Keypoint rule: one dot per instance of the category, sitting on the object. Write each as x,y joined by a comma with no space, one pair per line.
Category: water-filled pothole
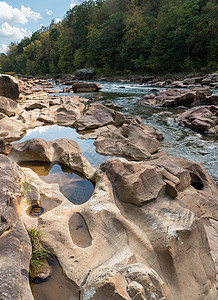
45,205
79,231
75,188
56,287
35,211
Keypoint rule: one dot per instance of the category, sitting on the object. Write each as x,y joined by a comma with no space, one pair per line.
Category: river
178,141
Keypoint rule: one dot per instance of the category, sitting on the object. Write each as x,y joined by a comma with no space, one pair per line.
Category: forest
122,37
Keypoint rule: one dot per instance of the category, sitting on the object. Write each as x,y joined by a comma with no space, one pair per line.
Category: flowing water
178,141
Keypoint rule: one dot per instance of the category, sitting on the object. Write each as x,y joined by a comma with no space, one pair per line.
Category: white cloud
3,48
27,11
8,31
15,15
57,20
49,12
74,3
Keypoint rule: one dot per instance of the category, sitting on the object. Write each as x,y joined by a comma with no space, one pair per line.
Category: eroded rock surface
149,220
203,119
149,231
15,247
117,135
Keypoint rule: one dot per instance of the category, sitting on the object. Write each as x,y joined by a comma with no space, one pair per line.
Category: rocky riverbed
148,230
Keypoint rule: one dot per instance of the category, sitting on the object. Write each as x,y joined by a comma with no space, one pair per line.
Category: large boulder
129,141
9,87
95,116
135,184
83,74
203,119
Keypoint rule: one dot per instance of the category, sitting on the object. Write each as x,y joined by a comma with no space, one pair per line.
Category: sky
20,18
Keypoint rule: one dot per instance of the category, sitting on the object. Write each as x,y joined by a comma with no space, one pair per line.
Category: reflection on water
72,186
79,231
56,287
53,132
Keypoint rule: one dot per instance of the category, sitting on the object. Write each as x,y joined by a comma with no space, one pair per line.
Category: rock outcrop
149,220
203,119
173,97
15,247
117,135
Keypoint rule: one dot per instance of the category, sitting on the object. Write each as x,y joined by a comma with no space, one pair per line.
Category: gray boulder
84,74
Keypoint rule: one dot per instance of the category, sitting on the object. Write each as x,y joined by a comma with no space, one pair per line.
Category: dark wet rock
86,87
8,106
146,79
173,97
9,87
84,74
203,119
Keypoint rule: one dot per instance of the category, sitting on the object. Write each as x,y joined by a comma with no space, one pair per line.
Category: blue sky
20,18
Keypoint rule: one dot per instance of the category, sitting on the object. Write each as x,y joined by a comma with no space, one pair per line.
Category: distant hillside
122,37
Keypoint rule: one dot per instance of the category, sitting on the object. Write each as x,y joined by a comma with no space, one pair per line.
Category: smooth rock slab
96,115
130,141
